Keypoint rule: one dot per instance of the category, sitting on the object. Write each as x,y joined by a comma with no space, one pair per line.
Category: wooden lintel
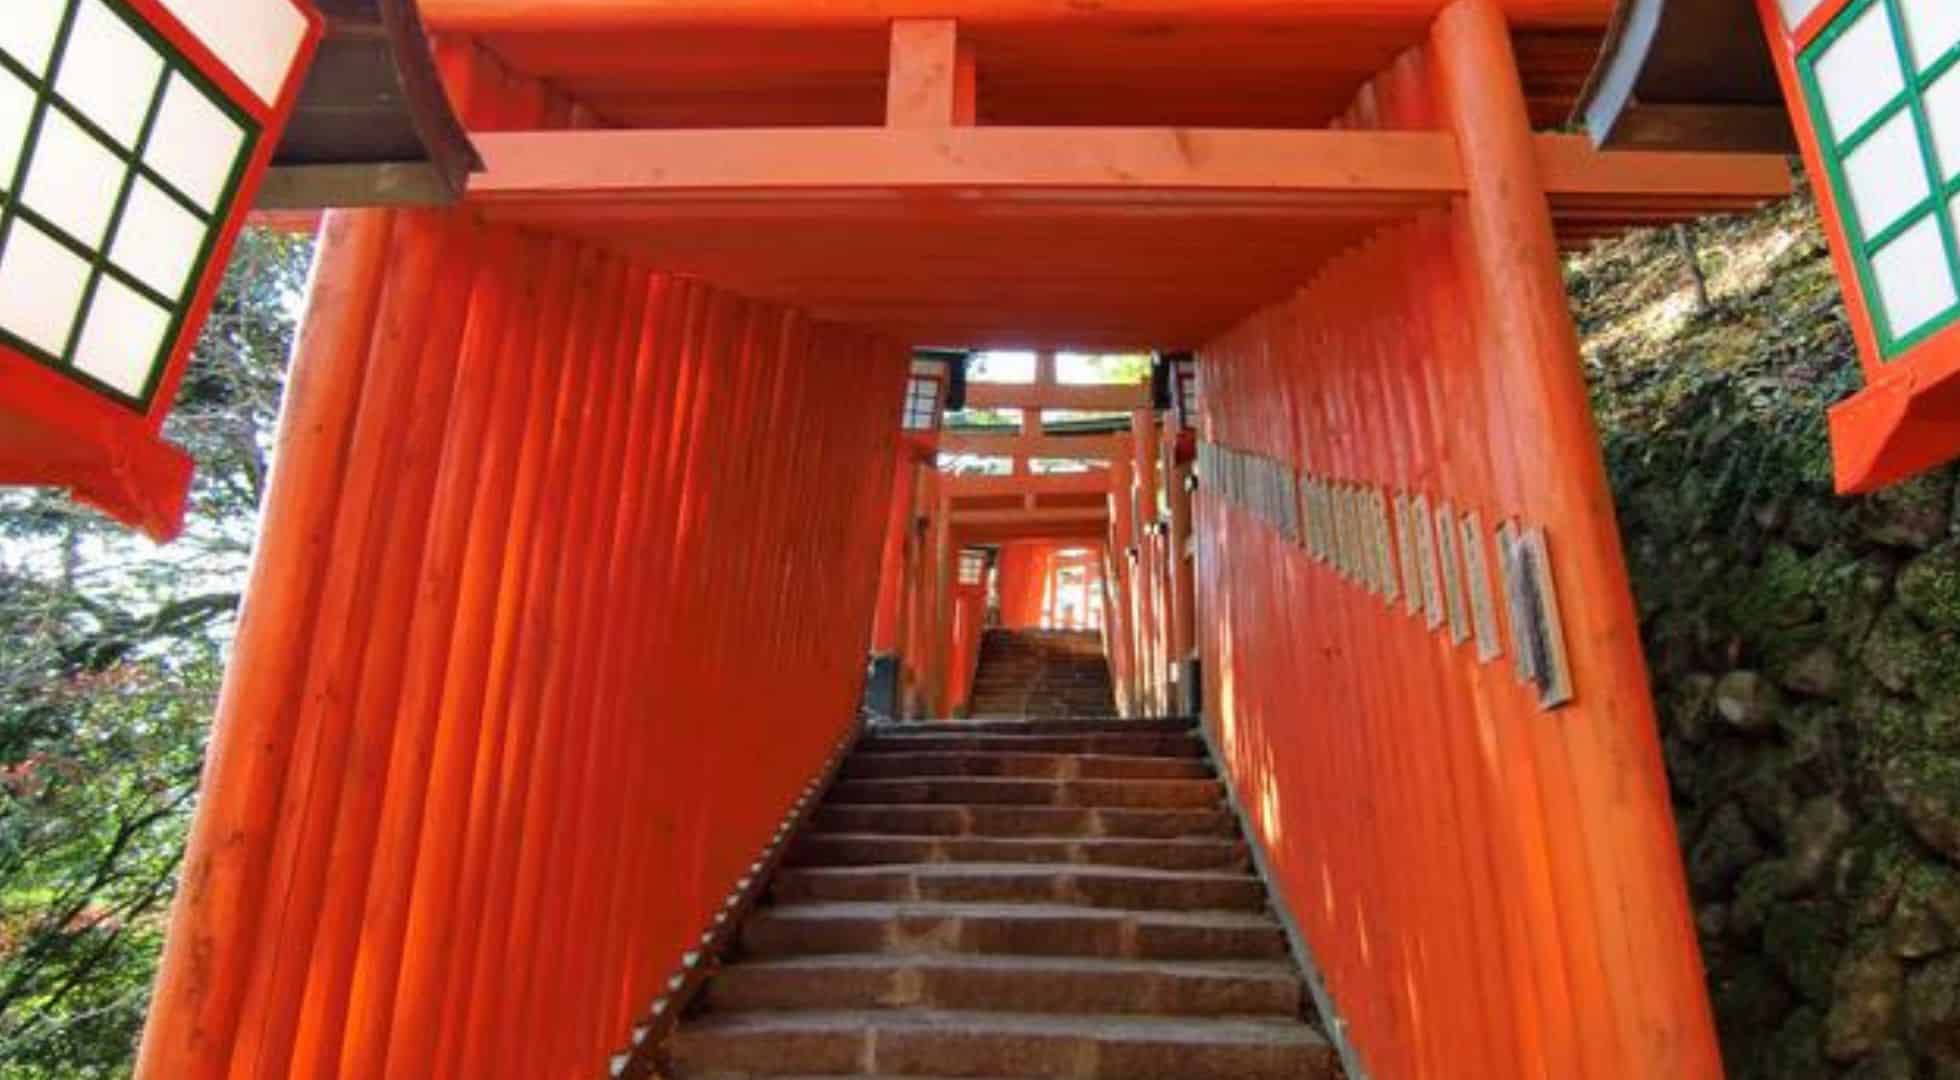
1335,172
1076,447
1572,169
1070,516
1089,483
1035,396
514,16
625,167
1079,532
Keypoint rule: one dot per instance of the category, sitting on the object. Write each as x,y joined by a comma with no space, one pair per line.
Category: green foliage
1724,408
114,653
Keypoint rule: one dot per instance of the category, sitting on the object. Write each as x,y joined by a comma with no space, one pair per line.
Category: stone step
873,849
1085,703
969,1044
1059,712
1022,676
805,929
907,766
988,791
1126,888
1080,700
987,707
1052,822
1038,676
1099,725
951,740
900,765
1034,667
999,670
1009,983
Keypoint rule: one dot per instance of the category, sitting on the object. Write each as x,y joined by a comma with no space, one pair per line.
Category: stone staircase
1032,899
1042,674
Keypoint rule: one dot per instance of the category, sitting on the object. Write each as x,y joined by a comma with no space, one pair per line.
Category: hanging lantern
973,567
931,389
1874,89
925,397
133,134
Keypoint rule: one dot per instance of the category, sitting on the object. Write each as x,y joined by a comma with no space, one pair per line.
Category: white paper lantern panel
196,146
1933,28
16,115
42,284
27,33
257,39
1858,73
123,340
1887,175
1914,278
73,179
109,72
158,240
1942,104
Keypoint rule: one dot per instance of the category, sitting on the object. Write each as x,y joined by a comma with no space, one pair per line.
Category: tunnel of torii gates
591,490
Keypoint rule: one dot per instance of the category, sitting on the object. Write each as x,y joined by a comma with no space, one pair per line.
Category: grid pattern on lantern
1885,94
922,404
1187,395
973,566
119,163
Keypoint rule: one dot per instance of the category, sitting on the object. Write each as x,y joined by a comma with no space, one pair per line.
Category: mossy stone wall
1805,652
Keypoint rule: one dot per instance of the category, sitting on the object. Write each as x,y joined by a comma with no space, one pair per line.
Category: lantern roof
1685,75
373,125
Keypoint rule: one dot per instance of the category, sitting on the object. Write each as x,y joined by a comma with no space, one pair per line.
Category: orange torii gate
1082,488
586,488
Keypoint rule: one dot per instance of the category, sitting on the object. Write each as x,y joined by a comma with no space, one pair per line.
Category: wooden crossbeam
1068,516
1092,447
1335,174
1039,396
1335,169
1575,172
1081,532
1090,483
510,16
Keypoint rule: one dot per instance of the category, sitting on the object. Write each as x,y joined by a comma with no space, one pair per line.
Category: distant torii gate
1108,504
575,540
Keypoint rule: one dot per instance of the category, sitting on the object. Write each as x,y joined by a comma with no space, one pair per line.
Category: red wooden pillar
1607,749
227,863
885,633
1143,464
459,661
943,568
1183,589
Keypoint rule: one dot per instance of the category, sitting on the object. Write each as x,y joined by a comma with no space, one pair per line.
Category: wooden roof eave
1685,75
373,126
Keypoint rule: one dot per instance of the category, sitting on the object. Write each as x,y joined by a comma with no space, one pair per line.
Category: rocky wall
1805,651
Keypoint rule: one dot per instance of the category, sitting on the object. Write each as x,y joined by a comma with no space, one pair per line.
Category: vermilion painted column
1637,900
1022,584
1143,464
518,598
943,567
891,586
1183,589
245,773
